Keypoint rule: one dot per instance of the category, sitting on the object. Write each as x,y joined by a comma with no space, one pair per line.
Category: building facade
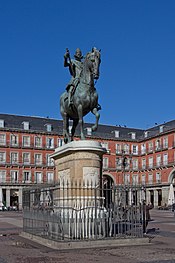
133,156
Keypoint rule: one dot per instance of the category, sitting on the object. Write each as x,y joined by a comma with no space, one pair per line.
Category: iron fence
83,211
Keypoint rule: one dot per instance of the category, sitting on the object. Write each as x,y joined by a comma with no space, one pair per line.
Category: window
26,158
161,128
49,143
38,177
50,161
27,176
104,145
165,159
158,160
117,134
14,158
126,163
158,145
165,142
105,162
1,123
2,176
14,176
38,159
135,164
13,140
126,178
146,134
143,163
126,148
118,163
49,127
135,179
118,148
135,149
60,142
25,125
50,177
38,142
2,139
150,146
2,157
158,178
89,131
26,141
150,178
133,135
150,162
143,179
143,148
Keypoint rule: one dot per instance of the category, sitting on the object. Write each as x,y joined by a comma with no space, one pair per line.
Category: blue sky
137,38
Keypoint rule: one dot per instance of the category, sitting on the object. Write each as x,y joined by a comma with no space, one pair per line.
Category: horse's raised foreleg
97,115
80,116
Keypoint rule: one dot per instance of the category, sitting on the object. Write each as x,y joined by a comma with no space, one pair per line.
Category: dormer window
146,134
89,131
161,128
49,127
1,123
117,134
133,135
25,125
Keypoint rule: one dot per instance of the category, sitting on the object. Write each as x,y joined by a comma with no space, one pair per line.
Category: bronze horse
85,97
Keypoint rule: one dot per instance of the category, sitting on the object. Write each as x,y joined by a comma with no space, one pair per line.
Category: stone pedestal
79,160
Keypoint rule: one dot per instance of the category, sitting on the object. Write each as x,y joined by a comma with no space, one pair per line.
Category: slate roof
38,124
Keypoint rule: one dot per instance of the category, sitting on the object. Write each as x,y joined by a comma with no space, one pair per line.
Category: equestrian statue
80,96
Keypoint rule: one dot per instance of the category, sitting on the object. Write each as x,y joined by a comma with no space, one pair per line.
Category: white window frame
14,157
38,141
14,176
165,159
143,148
150,162
26,125
158,160
50,142
105,162
135,164
26,160
165,142
118,148
38,158
158,177
135,149
150,178
13,139
26,141
50,177
1,123
143,163
2,176
2,157
2,139
29,177
38,177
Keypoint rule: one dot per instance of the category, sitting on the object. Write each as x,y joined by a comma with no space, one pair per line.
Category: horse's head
95,58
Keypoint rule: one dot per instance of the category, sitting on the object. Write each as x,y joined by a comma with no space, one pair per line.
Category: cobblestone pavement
15,249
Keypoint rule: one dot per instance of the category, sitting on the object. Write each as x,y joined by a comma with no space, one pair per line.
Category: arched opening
108,183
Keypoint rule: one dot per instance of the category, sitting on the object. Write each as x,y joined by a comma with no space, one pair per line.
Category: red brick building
134,156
